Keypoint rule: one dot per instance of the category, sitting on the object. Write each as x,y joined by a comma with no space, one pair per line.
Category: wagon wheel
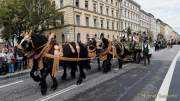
138,58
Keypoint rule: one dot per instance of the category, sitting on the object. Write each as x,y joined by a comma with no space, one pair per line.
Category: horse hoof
73,77
40,84
84,77
99,68
53,87
79,82
64,78
43,92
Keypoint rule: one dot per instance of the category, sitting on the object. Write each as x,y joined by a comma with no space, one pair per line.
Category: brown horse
105,51
33,46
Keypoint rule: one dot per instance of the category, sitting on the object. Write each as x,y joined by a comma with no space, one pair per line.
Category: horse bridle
29,39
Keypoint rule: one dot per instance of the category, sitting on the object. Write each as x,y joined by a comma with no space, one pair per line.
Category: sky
167,10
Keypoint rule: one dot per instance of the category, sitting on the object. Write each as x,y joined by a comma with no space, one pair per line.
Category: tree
150,37
22,15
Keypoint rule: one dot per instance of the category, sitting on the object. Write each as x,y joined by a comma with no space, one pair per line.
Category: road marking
58,93
10,84
164,89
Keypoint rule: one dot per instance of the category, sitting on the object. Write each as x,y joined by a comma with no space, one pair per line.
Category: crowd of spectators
10,62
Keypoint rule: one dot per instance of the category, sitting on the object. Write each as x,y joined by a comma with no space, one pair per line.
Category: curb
9,75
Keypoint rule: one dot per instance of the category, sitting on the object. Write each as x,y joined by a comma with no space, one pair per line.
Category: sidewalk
8,75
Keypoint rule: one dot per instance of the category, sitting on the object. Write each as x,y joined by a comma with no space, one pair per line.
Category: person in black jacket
145,50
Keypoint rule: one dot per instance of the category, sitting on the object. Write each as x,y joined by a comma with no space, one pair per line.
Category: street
158,81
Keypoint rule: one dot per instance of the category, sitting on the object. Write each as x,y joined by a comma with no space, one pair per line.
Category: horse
33,45
104,49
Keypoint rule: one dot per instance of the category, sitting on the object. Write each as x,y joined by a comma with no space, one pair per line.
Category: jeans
19,65
11,68
1,69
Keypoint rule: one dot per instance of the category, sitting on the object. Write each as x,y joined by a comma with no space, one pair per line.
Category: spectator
1,69
3,62
10,61
19,60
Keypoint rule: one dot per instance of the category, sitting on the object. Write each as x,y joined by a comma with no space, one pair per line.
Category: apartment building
153,29
130,15
145,23
158,26
86,18
168,32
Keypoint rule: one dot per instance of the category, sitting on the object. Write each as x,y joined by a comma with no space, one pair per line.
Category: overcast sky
166,10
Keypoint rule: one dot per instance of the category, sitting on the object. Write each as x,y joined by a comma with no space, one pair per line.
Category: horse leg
55,83
34,75
99,65
73,70
109,62
120,62
104,66
64,77
43,83
81,75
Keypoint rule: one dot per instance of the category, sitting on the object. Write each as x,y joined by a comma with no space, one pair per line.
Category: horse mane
38,39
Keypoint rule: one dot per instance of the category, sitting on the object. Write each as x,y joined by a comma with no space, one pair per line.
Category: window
117,13
78,37
125,3
112,25
111,1
78,19
117,26
116,4
112,13
107,10
62,19
63,38
107,24
77,3
101,9
102,23
61,3
86,4
95,7
95,22
87,37
87,21
106,0
125,12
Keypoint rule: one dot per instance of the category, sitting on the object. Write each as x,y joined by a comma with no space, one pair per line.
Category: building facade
130,15
145,23
158,27
88,18
85,18
168,32
153,29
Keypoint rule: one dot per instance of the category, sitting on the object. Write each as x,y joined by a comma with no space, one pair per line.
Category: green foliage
34,15
150,38
160,37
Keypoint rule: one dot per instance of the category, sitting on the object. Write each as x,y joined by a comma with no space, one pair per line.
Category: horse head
27,43
94,44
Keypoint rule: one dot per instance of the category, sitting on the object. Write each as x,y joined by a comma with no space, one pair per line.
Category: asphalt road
135,82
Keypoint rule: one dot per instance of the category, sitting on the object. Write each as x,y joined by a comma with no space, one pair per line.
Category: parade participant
4,61
105,45
145,50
